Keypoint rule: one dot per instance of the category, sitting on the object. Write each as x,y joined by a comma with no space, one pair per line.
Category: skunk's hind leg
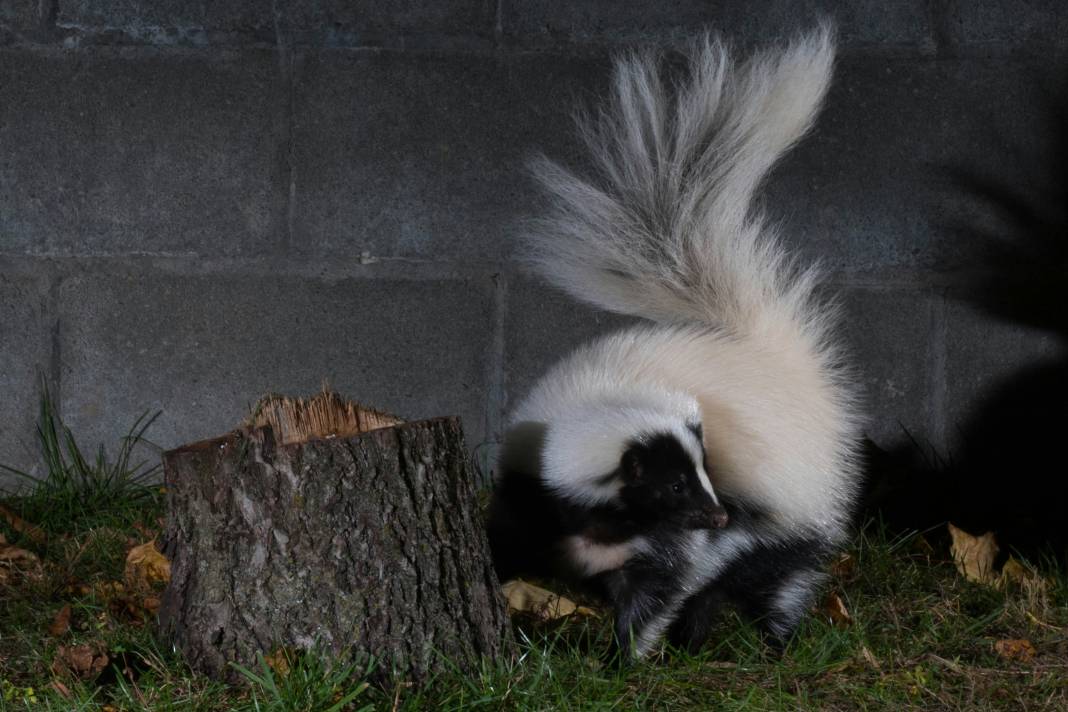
644,600
771,585
776,585
693,626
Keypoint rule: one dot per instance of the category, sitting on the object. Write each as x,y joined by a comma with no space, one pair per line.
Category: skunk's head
637,447
665,481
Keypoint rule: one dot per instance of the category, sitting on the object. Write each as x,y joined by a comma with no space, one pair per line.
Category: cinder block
544,23
422,156
1002,362
203,349
912,158
334,23
169,22
110,152
889,341
542,325
393,23
1008,21
18,16
25,356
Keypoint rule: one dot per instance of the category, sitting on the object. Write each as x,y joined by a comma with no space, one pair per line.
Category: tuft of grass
79,492
306,681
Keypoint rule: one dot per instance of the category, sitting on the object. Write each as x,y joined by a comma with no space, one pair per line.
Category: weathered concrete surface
543,324
203,349
25,358
126,152
331,23
542,22
894,344
422,156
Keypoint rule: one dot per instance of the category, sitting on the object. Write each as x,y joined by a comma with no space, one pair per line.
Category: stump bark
371,544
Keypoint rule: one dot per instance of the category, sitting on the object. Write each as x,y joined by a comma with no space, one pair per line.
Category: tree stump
366,542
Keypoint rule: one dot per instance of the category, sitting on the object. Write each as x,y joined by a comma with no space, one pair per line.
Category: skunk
734,386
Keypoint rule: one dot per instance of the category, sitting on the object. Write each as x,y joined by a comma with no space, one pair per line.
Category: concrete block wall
201,202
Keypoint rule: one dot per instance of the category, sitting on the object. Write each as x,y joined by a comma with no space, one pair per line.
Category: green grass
921,636
76,492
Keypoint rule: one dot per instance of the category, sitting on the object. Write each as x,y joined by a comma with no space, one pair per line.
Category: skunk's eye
676,488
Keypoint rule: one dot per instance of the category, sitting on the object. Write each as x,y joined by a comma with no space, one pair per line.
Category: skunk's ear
631,466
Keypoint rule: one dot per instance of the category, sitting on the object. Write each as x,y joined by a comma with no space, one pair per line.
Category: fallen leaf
1033,584
16,556
546,605
869,657
62,689
974,555
834,609
83,662
844,566
921,546
145,566
61,623
279,661
1020,649
22,526
15,561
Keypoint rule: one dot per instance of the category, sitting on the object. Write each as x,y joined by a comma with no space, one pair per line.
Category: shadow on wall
1007,472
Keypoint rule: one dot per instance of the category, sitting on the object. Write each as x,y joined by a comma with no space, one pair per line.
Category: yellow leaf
61,623
527,598
974,555
145,565
835,611
1021,650
279,661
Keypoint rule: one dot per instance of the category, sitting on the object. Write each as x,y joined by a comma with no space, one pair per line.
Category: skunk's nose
719,517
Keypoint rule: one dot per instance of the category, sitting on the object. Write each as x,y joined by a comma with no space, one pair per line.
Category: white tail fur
665,227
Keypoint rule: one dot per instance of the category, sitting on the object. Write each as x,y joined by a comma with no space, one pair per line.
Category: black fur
528,522
661,485
752,583
661,499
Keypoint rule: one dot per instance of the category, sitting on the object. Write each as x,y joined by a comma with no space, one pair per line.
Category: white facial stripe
695,449
706,484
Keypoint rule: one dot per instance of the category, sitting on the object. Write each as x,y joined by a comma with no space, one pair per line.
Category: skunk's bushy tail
665,227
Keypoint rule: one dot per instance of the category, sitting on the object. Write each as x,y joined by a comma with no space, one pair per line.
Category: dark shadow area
1006,472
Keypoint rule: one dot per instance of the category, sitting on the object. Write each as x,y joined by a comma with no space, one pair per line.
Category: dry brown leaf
83,662
921,546
62,689
546,605
869,657
1020,650
279,661
151,604
834,609
21,525
17,557
145,566
15,562
1033,584
974,555
61,623
844,566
